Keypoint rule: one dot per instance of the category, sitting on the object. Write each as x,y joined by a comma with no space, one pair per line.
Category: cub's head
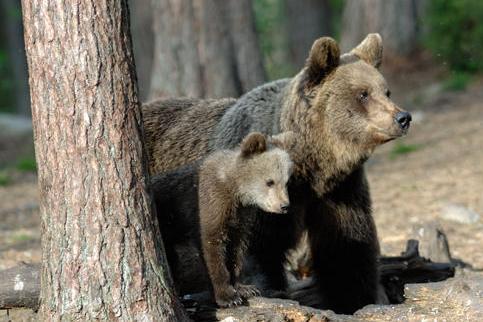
347,96
262,173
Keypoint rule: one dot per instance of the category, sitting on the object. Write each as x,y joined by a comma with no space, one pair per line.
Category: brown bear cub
229,187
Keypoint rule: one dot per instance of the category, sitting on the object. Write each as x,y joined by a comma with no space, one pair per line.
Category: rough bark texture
12,24
207,48
101,251
143,43
307,20
397,21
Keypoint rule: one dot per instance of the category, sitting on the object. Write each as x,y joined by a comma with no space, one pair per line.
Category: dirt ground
407,187
446,167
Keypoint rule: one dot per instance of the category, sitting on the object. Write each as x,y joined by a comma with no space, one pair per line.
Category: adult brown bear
340,108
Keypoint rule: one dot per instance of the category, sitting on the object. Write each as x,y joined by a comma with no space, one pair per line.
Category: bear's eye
363,96
270,182
388,93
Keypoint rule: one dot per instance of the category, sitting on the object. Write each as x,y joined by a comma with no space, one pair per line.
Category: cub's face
263,181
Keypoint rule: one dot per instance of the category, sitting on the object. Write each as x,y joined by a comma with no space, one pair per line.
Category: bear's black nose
285,208
403,119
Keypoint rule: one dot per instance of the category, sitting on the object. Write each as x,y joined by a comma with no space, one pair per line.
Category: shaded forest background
442,37
433,50
449,32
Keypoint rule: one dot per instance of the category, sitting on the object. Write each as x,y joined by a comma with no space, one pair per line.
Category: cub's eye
388,93
270,182
363,96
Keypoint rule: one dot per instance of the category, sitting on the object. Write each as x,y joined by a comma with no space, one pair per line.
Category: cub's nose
285,208
403,119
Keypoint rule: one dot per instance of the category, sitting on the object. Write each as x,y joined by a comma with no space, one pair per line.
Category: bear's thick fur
339,106
213,206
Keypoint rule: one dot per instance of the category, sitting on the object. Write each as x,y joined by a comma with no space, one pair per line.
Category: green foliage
4,178
21,237
336,9
401,148
456,33
269,20
27,164
457,81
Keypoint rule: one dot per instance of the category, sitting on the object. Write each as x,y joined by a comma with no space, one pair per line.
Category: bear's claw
228,298
247,291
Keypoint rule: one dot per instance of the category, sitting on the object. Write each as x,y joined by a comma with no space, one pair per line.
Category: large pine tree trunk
396,20
206,48
307,20
102,257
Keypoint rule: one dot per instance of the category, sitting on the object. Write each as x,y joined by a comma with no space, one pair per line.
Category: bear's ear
370,50
253,143
285,140
323,58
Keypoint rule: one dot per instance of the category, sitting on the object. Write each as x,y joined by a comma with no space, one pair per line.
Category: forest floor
412,179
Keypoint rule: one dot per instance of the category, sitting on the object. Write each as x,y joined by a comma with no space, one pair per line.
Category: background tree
11,23
398,22
102,257
306,21
143,43
208,47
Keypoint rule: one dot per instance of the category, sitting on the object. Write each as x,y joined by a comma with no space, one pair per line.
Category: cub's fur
229,187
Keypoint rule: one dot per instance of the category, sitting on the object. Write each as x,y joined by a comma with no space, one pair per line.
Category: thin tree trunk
208,48
246,45
102,257
143,43
396,20
307,20
10,13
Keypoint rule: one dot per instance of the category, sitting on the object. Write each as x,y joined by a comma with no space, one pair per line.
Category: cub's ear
370,50
253,143
285,140
323,58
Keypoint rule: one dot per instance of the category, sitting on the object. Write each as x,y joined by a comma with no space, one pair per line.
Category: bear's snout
284,208
403,119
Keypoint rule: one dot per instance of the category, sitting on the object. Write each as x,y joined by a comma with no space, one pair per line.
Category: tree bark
10,14
208,48
398,22
307,20
102,256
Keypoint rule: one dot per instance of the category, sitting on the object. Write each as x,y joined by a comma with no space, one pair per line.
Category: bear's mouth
382,137
389,139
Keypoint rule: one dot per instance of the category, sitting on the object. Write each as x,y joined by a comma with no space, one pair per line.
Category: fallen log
20,286
410,268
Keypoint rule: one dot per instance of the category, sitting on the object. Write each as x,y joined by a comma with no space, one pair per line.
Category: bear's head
262,173
344,99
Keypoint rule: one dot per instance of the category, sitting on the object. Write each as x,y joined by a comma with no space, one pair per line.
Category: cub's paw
228,297
247,291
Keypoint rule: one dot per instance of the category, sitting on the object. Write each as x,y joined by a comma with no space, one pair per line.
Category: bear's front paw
228,297
247,291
